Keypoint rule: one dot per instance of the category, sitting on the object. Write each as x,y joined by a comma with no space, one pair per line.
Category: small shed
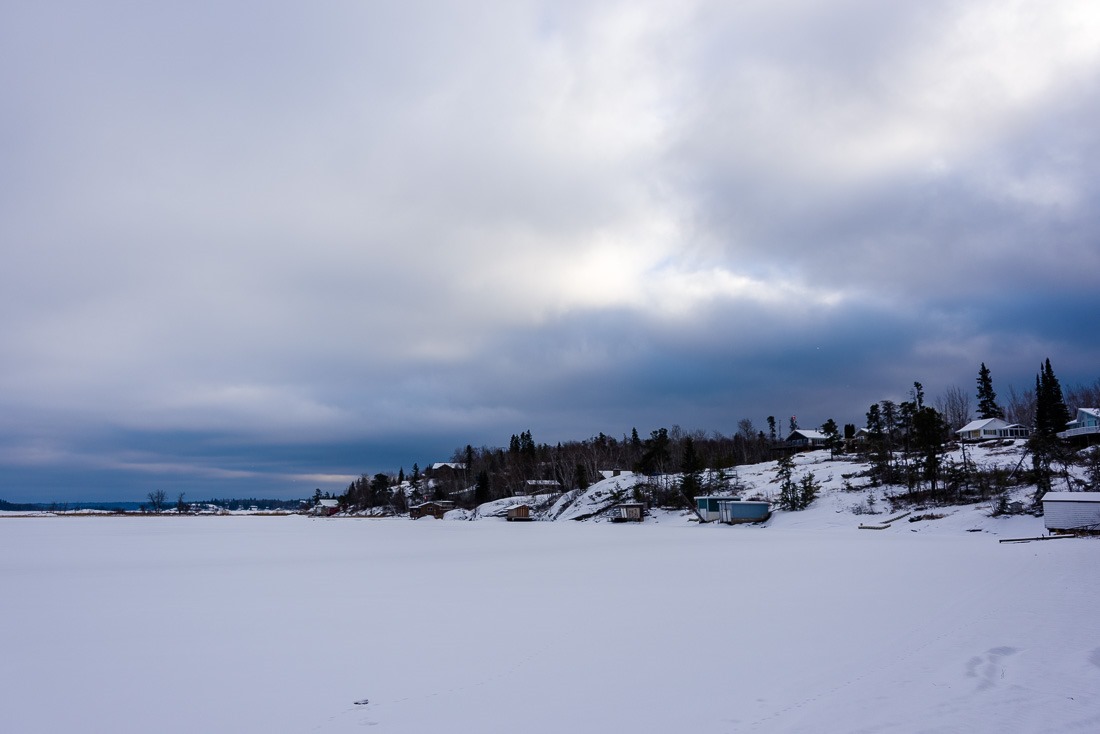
520,513
733,512
436,509
707,505
627,512
1071,510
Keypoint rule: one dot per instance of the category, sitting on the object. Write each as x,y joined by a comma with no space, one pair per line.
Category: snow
803,624
807,624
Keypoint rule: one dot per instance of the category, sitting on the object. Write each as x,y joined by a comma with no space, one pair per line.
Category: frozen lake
281,624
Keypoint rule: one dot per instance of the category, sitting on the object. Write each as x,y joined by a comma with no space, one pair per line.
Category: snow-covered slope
846,498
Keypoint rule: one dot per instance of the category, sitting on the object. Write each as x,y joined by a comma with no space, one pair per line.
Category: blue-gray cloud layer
264,246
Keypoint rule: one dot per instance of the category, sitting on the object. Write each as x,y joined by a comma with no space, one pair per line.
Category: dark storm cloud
262,244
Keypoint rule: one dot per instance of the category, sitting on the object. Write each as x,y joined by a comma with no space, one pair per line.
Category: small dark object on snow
362,702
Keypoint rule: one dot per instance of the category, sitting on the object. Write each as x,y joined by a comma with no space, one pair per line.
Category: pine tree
1051,416
690,483
987,399
1051,413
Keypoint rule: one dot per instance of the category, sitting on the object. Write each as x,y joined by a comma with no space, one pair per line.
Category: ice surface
287,624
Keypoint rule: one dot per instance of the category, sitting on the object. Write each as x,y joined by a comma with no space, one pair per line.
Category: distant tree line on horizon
903,441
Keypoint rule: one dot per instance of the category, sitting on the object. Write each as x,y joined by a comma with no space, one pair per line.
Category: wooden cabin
436,509
519,513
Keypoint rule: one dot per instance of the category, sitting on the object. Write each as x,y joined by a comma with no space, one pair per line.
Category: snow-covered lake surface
281,624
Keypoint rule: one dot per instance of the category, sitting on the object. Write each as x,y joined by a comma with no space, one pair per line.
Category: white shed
1071,510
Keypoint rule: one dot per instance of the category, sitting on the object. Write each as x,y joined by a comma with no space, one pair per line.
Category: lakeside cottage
1087,423
324,507
806,439
985,429
436,509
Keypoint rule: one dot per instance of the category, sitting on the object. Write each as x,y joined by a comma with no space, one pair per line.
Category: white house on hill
991,428
1086,422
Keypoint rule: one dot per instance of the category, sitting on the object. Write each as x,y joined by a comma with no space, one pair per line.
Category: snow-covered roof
982,423
448,465
815,435
1071,497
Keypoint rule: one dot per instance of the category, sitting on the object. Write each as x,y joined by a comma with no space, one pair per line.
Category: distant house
627,512
436,509
612,473
446,470
1086,423
862,435
1071,510
985,429
802,438
325,507
539,486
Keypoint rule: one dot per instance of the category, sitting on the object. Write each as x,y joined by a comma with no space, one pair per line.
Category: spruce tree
690,465
987,399
1051,416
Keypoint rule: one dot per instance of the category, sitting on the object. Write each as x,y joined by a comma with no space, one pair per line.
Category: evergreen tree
832,436
580,476
929,433
1051,416
877,443
481,489
690,464
987,399
1051,413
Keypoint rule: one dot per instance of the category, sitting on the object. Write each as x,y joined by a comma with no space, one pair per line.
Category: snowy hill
846,498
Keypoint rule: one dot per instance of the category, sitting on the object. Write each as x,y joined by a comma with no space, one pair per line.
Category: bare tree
157,498
954,405
1021,407
1083,396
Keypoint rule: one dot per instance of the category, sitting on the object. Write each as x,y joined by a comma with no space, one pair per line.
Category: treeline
474,475
904,441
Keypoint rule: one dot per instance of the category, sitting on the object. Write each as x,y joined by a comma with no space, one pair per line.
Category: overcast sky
254,248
